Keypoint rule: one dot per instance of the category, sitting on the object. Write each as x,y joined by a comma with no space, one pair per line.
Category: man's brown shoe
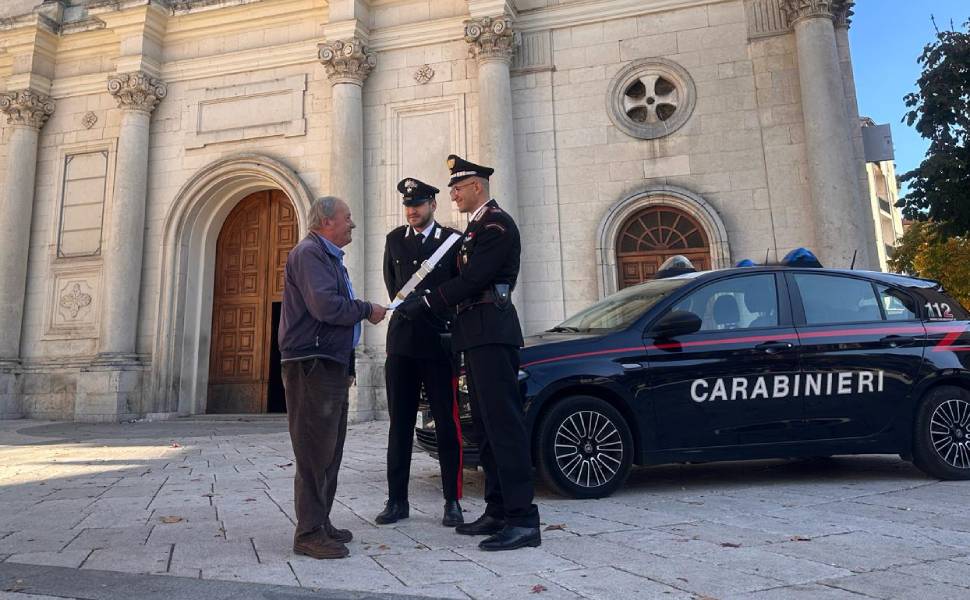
321,548
344,536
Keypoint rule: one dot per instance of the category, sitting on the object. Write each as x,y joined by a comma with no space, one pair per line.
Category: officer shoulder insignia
495,226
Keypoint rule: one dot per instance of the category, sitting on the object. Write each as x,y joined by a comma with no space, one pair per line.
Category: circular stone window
651,98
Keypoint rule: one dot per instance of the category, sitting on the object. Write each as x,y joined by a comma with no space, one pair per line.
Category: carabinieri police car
747,363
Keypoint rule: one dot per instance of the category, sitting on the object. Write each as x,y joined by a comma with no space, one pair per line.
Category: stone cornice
347,61
137,91
27,108
491,38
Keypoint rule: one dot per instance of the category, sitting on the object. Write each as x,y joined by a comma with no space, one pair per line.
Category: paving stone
67,558
152,558
607,583
719,533
433,566
898,586
356,572
954,571
519,586
278,574
798,592
186,531
520,562
758,561
37,540
107,537
211,556
689,574
582,524
861,551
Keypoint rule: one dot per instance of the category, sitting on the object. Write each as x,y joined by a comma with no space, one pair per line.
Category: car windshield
622,308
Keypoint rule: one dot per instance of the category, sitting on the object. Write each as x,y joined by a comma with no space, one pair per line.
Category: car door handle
773,347
894,341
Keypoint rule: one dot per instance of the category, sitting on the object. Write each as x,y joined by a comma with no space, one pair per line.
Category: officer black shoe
452,516
512,538
394,511
483,525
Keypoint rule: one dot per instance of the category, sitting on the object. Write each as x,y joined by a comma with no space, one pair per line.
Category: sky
886,38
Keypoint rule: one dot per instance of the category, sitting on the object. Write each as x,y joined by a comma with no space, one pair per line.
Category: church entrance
653,235
244,367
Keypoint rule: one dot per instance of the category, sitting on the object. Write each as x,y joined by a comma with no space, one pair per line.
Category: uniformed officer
416,357
487,330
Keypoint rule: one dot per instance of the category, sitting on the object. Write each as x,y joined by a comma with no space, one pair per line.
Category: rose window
652,98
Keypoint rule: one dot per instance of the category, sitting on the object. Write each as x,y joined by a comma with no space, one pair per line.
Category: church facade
158,159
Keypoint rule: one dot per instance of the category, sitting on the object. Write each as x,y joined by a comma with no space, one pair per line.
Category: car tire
584,448
941,441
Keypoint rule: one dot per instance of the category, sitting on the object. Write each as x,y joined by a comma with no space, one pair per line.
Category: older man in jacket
320,326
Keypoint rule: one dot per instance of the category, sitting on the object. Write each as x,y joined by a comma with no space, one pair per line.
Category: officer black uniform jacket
402,257
489,255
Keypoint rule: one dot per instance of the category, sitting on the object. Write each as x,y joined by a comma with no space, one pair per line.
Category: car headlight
523,375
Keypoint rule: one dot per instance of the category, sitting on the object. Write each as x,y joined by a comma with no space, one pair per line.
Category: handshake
410,308
414,305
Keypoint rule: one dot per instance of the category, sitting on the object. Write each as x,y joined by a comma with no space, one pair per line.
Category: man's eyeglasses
455,188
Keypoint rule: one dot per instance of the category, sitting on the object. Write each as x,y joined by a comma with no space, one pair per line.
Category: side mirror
675,323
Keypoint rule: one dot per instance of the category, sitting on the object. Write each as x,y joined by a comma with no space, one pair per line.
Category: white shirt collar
428,231
478,213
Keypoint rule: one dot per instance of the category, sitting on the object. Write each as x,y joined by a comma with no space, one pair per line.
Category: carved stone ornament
75,300
347,61
137,91
26,107
796,10
491,38
89,120
424,74
843,13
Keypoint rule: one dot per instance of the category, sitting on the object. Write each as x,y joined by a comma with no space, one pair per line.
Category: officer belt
486,297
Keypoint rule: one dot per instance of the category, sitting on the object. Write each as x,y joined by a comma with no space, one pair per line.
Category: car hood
550,344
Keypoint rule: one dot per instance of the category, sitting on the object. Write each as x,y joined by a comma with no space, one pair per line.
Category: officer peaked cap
415,191
462,169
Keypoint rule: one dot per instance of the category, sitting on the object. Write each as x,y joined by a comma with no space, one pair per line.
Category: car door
861,348
728,384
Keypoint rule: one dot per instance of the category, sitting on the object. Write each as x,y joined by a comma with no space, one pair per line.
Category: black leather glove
414,305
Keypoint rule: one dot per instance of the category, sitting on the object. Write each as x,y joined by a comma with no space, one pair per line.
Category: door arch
251,253
654,234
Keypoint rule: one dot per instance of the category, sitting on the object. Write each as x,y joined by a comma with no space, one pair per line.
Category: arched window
653,235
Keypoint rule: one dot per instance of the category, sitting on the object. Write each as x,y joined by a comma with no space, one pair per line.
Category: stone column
108,390
26,112
137,94
841,217
348,64
493,43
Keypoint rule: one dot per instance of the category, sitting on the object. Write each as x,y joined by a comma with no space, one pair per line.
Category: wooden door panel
250,262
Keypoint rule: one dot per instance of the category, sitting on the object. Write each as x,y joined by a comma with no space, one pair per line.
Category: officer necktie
420,238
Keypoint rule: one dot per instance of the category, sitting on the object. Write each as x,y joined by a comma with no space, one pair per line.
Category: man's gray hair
322,208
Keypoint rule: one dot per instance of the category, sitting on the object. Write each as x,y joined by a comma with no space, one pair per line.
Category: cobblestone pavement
212,500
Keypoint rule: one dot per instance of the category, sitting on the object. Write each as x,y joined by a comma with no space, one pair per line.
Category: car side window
746,302
897,305
829,299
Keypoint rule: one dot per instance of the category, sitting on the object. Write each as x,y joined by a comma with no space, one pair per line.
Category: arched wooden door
250,260
653,235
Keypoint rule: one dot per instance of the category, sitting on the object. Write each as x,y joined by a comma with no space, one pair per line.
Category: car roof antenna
854,252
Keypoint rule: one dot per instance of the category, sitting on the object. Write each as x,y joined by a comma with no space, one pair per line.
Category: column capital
843,13
837,10
27,108
491,38
137,91
347,61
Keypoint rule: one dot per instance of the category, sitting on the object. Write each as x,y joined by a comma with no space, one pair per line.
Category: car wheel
585,448
942,436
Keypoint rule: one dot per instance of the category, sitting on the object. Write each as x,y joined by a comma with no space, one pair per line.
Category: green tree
939,188
924,251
